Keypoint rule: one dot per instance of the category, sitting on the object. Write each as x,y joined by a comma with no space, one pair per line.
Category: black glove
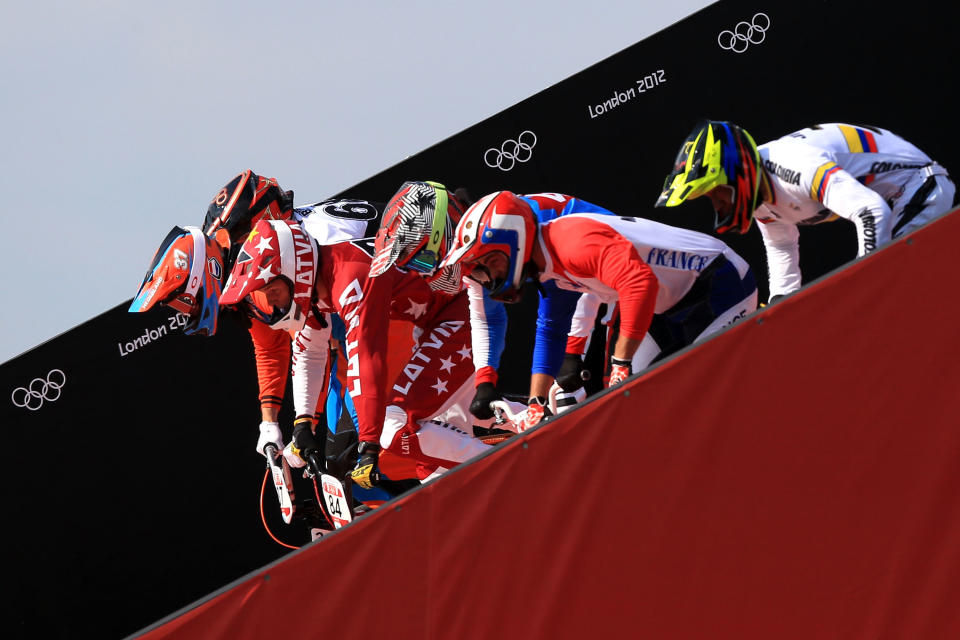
305,444
366,473
480,406
303,438
572,373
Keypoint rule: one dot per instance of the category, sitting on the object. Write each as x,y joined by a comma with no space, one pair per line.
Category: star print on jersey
447,364
441,386
465,352
265,274
416,310
264,244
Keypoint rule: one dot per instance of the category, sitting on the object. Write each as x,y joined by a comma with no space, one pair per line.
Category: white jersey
644,268
340,220
676,256
866,175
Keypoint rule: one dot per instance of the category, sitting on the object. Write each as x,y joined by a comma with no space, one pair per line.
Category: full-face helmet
717,154
186,274
275,249
417,231
498,222
244,200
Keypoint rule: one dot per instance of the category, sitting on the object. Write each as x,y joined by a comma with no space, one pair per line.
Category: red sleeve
592,250
364,305
271,350
485,374
576,345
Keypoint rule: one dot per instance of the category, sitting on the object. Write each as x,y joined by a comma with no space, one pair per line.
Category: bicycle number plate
335,499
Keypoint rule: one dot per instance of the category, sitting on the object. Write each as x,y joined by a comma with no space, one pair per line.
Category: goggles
256,306
427,258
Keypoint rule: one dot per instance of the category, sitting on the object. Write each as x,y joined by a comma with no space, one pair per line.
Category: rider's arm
271,350
594,251
620,267
584,318
311,368
844,195
554,316
364,306
782,243
488,327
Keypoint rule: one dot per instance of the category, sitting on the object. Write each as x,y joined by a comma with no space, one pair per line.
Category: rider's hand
571,374
620,370
537,410
292,455
302,444
366,474
269,434
480,406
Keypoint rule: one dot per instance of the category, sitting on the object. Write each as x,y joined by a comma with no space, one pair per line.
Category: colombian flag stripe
852,136
820,179
866,138
858,140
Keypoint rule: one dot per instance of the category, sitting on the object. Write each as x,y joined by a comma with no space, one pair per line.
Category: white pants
937,203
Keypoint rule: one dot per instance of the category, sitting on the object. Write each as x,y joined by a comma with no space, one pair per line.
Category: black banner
135,482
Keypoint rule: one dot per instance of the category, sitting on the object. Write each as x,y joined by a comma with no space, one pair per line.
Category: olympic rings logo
32,396
745,34
511,152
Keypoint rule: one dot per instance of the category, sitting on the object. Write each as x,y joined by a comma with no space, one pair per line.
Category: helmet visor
696,169
175,274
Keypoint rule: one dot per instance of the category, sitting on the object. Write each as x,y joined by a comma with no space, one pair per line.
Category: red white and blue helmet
502,222
186,274
274,249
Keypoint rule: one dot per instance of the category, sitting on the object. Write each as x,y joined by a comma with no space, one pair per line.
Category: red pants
438,375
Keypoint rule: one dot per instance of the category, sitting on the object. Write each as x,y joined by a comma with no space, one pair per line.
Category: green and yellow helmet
717,153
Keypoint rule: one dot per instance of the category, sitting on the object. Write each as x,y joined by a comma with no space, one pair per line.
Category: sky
119,119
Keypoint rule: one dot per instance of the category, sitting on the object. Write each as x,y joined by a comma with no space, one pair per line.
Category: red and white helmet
274,249
503,222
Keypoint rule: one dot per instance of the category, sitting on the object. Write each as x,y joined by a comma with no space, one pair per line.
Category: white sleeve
849,199
782,242
585,316
488,326
310,355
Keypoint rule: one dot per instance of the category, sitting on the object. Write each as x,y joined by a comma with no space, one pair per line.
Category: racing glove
480,406
366,474
302,445
572,373
620,370
269,434
537,410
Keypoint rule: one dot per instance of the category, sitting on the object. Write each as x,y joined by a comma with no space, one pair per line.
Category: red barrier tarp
793,477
